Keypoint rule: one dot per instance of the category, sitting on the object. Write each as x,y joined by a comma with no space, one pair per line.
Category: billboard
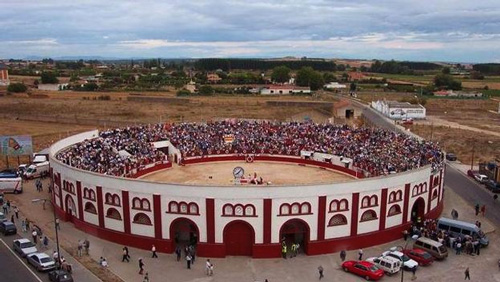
16,145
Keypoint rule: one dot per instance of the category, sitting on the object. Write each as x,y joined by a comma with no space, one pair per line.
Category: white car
24,247
481,178
41,261
408,263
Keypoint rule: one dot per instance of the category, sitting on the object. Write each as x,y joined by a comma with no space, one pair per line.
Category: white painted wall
256,222
278,221
199,220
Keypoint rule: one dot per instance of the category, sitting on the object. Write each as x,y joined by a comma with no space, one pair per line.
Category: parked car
420,256
451,157
8,228
41,261
481,178
408,263
24,247
472,173
388,264
364,269
493,186
408,121
60,276
2,217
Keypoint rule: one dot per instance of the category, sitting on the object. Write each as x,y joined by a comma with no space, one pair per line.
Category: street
14,268
472,192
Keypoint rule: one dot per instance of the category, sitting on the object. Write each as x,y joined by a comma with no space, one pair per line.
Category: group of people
373,150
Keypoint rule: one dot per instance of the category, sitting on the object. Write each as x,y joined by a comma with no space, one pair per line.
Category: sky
425,30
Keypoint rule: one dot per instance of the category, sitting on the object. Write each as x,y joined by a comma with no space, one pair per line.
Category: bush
17,88
183,92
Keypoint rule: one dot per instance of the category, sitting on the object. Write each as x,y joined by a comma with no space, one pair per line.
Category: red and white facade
250,220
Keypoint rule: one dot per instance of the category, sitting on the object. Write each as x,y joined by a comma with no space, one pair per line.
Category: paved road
14,269
472,192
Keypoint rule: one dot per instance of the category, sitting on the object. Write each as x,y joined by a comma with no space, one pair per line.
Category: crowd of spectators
373,150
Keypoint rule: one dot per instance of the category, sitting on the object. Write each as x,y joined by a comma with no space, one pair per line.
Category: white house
399,110
52,87
284,90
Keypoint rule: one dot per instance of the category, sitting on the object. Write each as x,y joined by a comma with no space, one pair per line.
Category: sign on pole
16,145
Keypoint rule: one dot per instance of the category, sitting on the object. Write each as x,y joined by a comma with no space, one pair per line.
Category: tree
352,87
446,81
17,88
307,76
48,77
446,70
329,77
280,74
206,90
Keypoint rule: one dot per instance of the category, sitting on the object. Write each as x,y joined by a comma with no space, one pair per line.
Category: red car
363,268
472,173
420,256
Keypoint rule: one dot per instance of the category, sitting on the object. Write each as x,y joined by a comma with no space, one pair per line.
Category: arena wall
370,213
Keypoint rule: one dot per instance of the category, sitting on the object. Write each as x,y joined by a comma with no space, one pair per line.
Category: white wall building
399,110
284,90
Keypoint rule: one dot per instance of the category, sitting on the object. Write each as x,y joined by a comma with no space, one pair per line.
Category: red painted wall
126,211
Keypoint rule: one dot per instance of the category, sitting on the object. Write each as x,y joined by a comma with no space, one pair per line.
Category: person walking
467,274
12,219
16,211
86,244
141,266
360,253
125,256
80,248
153,249
342,255
413,271
477,209
23,224
34,234
294,250
188,261
320,270
283,250
178,253
146,278
209,268
45,242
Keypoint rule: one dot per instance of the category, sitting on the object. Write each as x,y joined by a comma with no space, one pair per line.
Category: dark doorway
349,113
183,232
70,208
418,211
239,238
295,231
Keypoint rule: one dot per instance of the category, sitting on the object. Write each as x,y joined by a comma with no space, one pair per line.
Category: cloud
458,30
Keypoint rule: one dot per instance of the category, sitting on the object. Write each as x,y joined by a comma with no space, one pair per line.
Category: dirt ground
221,174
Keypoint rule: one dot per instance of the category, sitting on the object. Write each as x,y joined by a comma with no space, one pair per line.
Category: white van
37,170
459,228
388,264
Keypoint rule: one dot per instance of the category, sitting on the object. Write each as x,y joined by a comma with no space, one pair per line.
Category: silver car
41,261
24,247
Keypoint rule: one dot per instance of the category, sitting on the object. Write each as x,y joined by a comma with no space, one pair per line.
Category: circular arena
245,188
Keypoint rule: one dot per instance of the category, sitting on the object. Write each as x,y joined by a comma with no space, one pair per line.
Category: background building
4,75
399,110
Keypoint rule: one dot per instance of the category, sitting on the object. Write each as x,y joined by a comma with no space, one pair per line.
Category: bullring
252,220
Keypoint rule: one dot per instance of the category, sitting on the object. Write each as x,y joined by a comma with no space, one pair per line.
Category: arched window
249,210
373,201
114,214
334,206
392,197
414,191
228,209
285,209
365,202
368,215
336,220
116,200
109,198
193,208
183,207
141,218
90,208
295,208
136,203
145,205
305,208
394,210
173,207
399,195
343,205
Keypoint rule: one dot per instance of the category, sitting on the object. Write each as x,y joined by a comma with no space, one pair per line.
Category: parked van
10,182
459,228
37,170
388,264
434,248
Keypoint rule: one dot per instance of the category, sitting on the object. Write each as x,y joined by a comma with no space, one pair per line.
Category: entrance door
295,231
183,232
70,208
239,238
418,211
